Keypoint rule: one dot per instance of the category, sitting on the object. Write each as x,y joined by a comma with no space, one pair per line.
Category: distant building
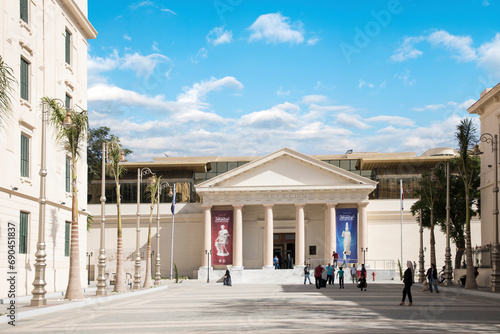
246,210
45,43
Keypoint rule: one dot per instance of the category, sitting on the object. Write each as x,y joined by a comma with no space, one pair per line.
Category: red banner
222,237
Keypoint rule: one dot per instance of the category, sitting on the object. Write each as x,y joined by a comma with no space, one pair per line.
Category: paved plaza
196,307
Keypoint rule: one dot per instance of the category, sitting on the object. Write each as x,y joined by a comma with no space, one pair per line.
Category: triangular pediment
283,170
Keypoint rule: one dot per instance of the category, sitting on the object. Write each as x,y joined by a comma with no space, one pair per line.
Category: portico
288,192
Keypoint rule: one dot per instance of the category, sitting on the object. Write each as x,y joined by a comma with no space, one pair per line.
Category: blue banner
347,235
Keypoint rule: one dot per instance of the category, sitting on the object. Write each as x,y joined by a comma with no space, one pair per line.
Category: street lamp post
39,283
495,252
89,255
101,276
208,252
448,276
364,250
152,254
162,185
421,271
137,273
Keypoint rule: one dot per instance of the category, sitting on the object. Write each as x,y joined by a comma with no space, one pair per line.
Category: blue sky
241,77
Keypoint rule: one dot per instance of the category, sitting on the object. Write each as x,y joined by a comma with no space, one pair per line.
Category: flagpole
173,223
401,196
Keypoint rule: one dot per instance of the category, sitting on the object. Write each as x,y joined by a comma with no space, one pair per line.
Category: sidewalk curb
73,304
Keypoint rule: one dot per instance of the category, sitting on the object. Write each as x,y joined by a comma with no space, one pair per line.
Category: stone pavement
196,306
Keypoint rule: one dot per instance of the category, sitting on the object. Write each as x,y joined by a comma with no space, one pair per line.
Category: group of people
276,262
326,275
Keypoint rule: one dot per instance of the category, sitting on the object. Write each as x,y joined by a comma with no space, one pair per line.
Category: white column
362,229
268,236
331,214
207,224
300,236
238,237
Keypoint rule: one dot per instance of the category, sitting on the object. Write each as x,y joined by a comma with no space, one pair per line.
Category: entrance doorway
284,245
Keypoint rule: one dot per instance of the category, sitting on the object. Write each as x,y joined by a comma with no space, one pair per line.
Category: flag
402,194
172,208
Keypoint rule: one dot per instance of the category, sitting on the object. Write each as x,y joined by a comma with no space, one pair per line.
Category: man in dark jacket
432,277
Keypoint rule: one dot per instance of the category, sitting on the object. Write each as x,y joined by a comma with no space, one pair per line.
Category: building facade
45,43
244,211
488,109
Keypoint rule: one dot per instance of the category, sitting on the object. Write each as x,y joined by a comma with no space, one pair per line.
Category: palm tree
116,170
73,139
152,190
7,79
466,137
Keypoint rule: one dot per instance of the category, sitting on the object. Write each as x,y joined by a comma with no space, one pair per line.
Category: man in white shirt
354,274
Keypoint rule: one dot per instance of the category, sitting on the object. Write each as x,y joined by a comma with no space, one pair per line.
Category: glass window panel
24,10
25,156
68,47
23,232
25,79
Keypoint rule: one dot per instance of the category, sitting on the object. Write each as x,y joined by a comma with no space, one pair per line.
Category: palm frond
7,81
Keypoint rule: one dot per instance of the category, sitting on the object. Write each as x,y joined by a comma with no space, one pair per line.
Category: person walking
408,281
307,275
318,271
354,274
276,262
227,277
329,273
432,276
340,274
363,270
289,261
335,256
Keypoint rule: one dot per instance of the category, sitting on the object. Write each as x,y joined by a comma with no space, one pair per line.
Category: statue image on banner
222,241
347,240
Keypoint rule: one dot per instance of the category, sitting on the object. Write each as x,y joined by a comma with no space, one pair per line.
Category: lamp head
68,123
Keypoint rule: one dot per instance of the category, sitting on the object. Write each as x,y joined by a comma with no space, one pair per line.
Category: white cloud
407,49
168,11
485,3
98,64
489,56
459,44
146,3
201,54
276,28
429,107
393,120
308,99
279,116
405,78
362,83
189,106
218,36
282,92
312,41
127,37
466,104
352,120
198,91
143,65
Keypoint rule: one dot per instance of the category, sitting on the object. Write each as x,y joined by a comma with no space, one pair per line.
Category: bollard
373,274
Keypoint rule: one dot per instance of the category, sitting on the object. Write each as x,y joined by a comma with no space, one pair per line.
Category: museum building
243,211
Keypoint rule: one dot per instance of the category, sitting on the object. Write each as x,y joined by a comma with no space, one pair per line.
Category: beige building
488,109
45,43
246,210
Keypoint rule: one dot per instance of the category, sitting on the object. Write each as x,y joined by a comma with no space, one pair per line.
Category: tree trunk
147,278
120,272
74,288
470,282
432,239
